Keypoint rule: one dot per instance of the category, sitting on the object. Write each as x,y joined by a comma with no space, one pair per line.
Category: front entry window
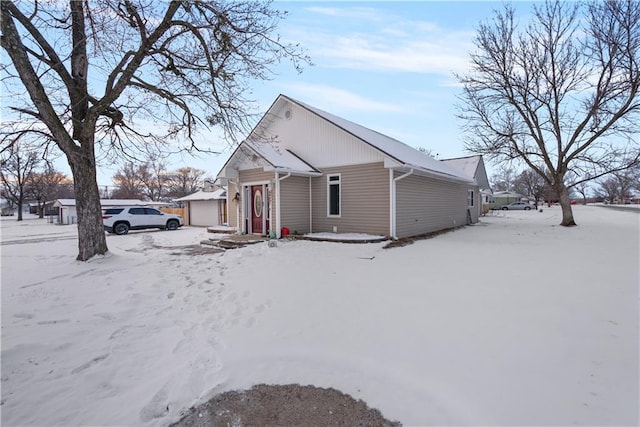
257,203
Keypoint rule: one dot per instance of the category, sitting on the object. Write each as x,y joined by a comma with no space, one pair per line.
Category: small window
151,211
470,198
333,195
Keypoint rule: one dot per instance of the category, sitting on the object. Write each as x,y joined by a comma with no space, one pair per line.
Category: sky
384,65
540,327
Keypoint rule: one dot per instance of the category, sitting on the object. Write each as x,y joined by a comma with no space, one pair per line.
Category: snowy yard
512,321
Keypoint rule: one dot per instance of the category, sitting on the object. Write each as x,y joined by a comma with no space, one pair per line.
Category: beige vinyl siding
294,204
425,204
255,175
364,197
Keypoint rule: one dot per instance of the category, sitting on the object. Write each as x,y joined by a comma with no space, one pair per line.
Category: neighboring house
304,170
67,207
473,168
206,208
502,198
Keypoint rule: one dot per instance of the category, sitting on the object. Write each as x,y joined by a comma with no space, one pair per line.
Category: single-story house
67,207
501,198
473,168
205,208
303,170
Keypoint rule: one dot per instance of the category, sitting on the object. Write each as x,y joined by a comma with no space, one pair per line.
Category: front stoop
234,241
221,229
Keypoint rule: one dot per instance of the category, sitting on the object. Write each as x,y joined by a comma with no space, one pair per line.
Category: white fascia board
298,172
437,175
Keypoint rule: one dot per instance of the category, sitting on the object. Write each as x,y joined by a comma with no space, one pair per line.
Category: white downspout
393,200
310,207
278,218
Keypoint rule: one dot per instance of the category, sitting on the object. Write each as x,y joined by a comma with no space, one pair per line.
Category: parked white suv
122,219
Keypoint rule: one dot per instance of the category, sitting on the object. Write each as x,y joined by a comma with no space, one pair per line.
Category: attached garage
205,208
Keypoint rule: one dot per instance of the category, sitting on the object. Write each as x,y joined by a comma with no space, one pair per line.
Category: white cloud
392,44
337,100
360,13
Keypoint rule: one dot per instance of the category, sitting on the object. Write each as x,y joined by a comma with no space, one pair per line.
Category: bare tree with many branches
561,95
96,72
45,186
18,163
184,181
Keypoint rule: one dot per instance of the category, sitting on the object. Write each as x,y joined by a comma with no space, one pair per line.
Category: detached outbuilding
303,170
206,208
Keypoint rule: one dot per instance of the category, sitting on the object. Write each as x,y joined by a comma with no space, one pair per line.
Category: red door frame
256,224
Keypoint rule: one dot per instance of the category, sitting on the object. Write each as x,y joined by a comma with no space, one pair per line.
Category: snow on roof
110,202
217,194
398,150
283,160
467,165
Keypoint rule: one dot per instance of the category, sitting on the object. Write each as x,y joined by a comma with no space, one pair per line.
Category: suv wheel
172,225
121,228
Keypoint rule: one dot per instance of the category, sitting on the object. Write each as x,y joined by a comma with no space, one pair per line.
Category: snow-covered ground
512,321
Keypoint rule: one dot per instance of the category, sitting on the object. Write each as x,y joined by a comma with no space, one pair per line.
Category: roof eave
434,174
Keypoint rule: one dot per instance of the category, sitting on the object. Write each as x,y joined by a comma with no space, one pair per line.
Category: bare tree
184,181
608,189
45,186
128,181
561,95
531,184
503,179
618,186
583,189
178,66
153,175
18,163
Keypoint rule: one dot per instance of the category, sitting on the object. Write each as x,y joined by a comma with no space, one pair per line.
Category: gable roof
397,150
467,165
217,194
281,160
404,157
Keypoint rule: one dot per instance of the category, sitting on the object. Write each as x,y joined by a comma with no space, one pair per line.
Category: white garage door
203,213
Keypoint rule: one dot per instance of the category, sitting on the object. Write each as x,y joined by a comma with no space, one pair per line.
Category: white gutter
297,172
437,175
393,182
278,218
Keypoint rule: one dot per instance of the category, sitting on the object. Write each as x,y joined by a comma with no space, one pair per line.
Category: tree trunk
91,237
20,203
565,204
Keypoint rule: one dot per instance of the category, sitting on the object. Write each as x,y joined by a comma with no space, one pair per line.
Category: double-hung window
333,195
470,198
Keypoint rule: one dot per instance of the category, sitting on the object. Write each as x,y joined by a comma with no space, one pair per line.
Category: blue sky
385,65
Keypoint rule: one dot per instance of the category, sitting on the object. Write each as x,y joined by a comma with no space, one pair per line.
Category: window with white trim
333,195
470,198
